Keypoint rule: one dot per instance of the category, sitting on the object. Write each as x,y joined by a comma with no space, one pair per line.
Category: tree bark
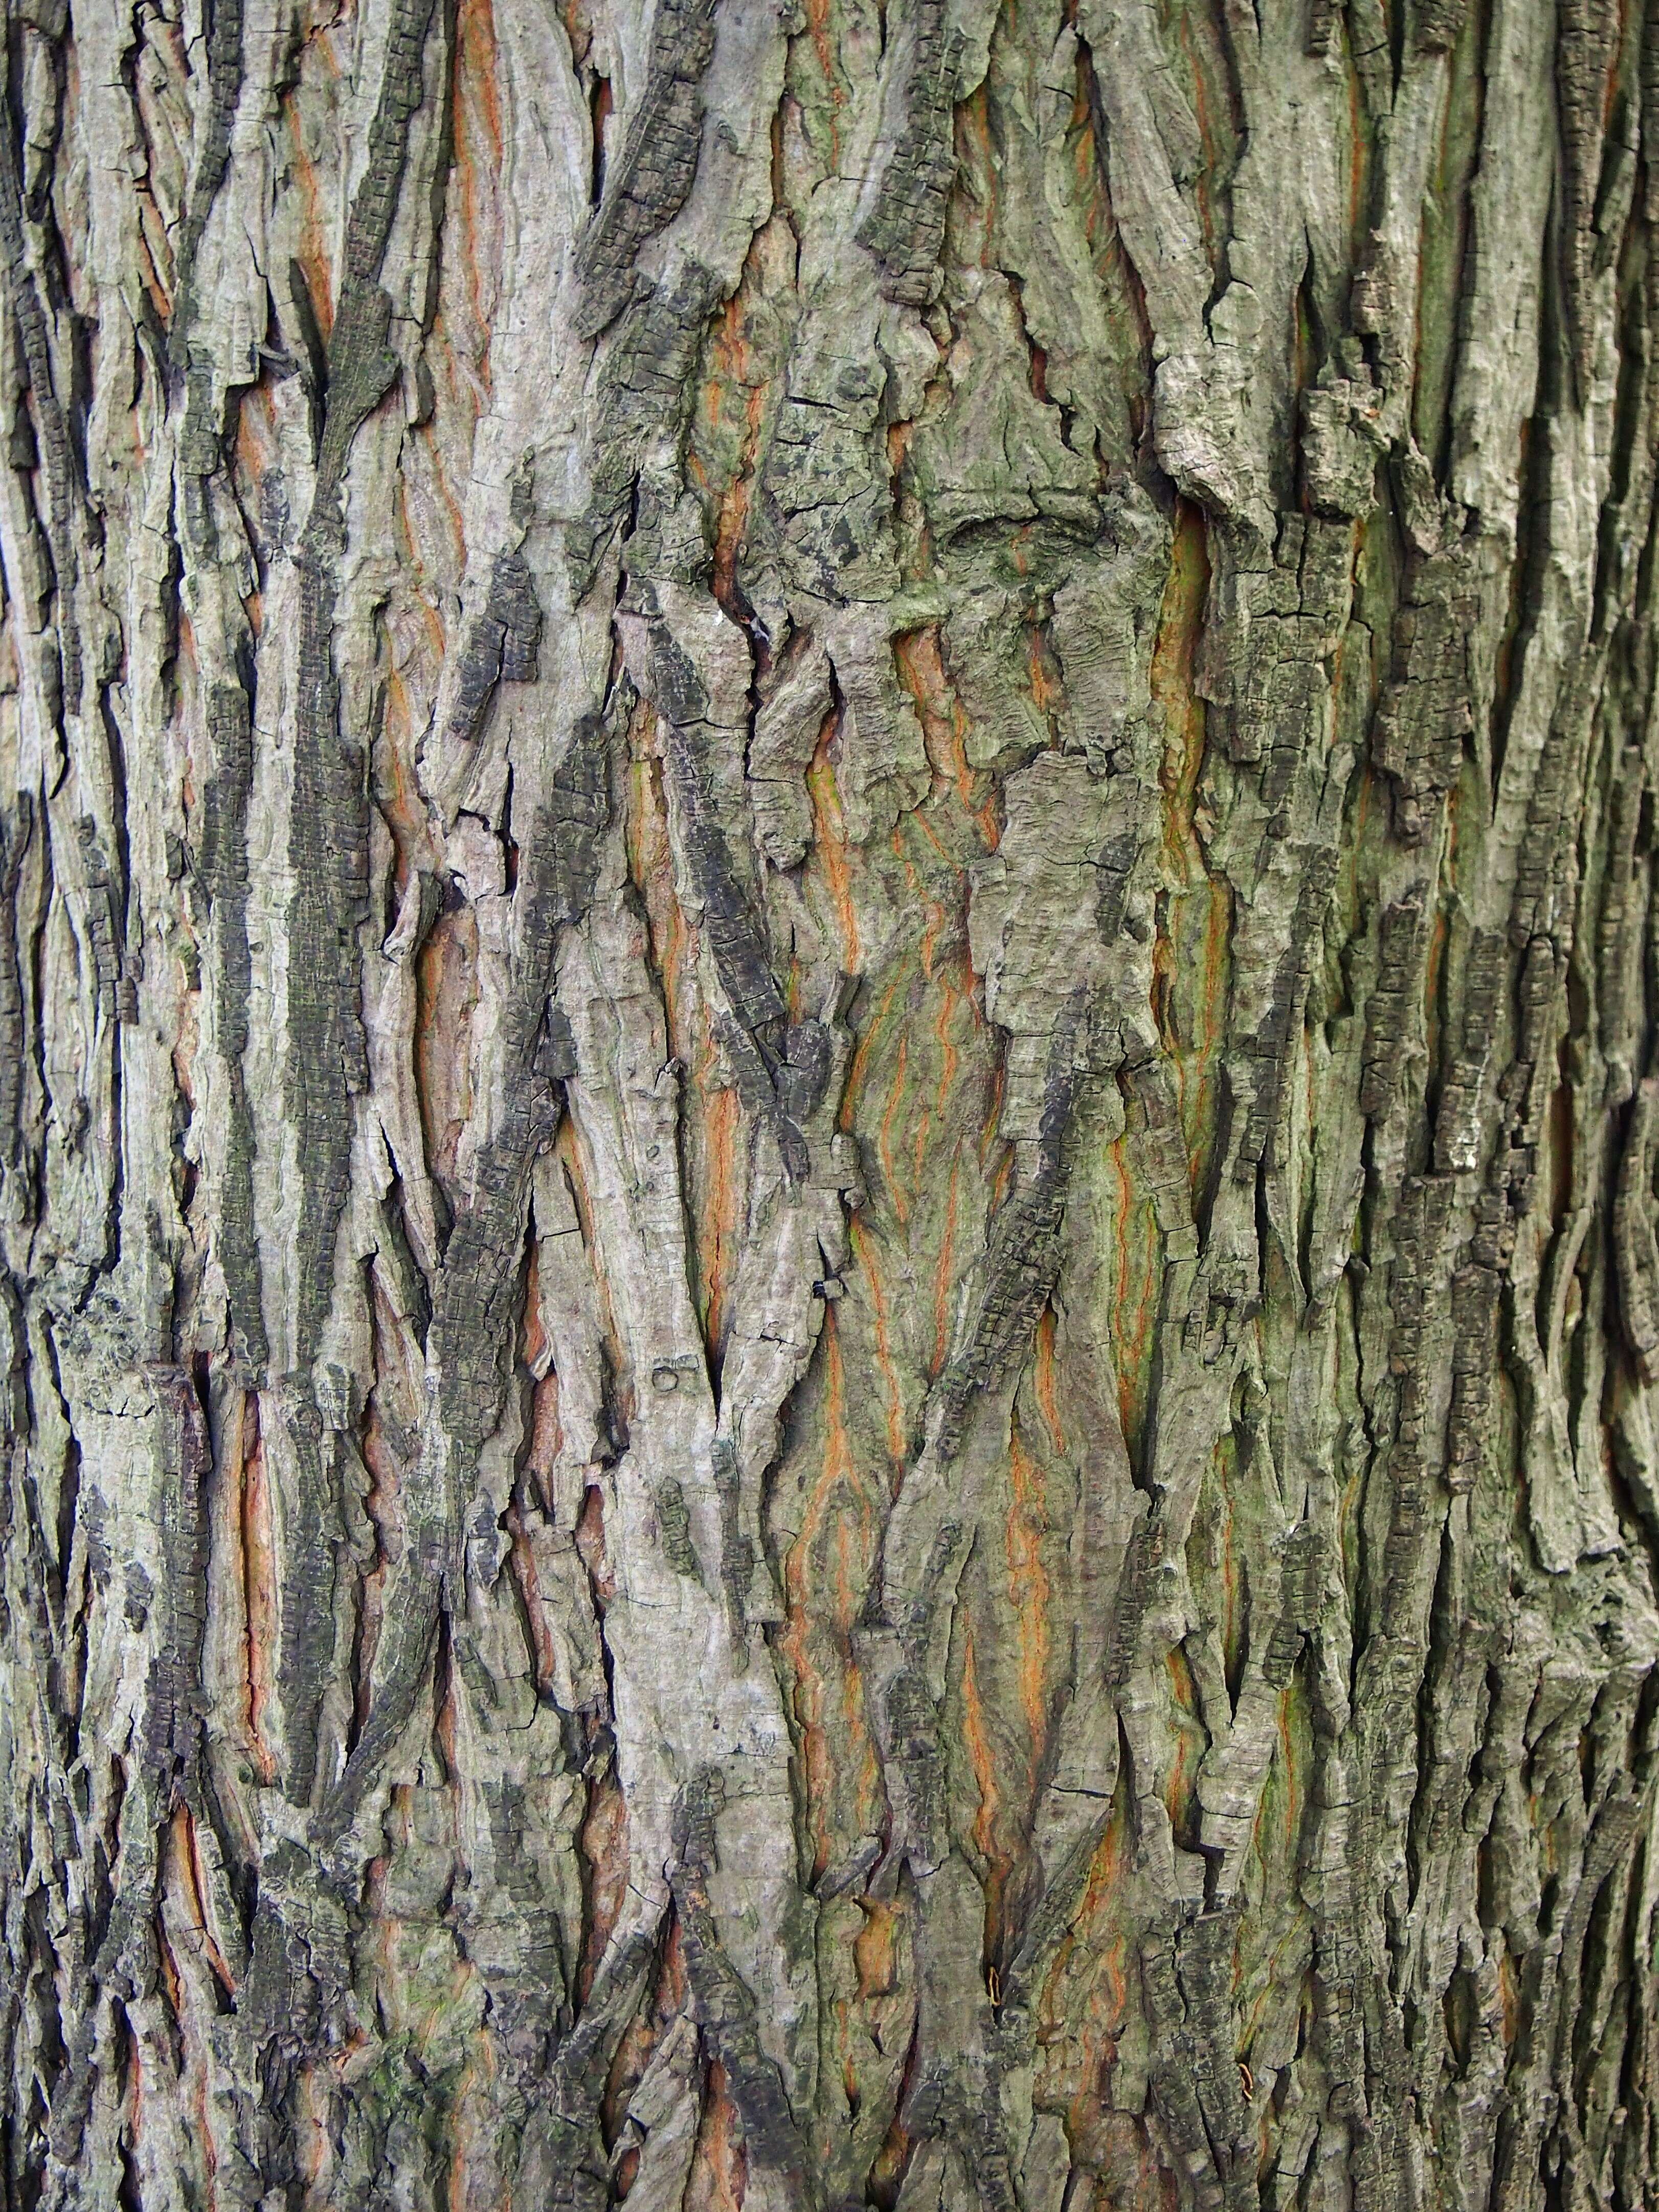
828,1099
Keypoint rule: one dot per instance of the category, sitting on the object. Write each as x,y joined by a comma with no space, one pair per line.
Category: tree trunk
829,1094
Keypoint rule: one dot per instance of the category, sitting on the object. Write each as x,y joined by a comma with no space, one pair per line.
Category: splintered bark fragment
224,73
905,227
1391,1009
1634,1237
222,866
1586,42
51,434
1022,1258
16,829
648,184
1424,715
500,646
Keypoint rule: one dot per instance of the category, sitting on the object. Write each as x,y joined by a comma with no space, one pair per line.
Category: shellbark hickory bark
828,1106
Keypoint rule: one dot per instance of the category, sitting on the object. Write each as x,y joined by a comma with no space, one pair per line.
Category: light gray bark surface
828,1104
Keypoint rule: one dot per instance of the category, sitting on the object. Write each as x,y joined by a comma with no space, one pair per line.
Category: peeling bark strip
828,1106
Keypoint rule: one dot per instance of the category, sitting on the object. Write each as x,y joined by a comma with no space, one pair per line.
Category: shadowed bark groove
829,1105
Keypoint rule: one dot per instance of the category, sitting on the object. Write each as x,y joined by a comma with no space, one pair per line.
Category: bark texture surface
829,1105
